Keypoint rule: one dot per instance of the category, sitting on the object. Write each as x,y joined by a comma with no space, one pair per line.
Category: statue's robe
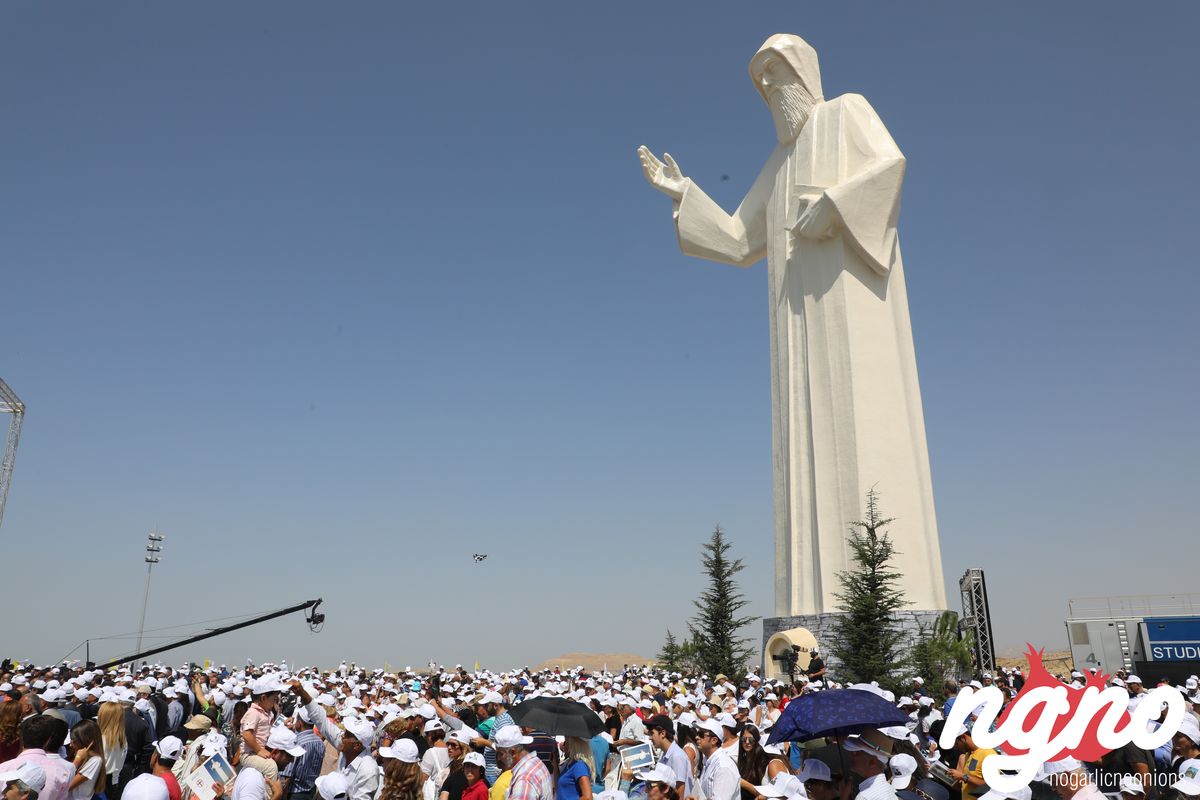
845,400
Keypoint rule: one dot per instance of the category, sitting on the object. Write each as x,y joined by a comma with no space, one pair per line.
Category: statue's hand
667,178
817,221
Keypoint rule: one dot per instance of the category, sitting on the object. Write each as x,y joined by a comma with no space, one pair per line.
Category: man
632,729
868,756
300,776
162,762
817,779
41,738
252,784
969,771
25,782
662,736
816,667
823,212
139,739
720,779
530,778
354,744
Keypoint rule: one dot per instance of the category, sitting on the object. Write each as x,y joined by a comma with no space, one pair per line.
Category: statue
845,399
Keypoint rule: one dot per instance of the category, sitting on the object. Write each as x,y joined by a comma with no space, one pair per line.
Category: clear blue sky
336,295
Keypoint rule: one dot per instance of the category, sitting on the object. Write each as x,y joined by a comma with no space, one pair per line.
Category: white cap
402,750
903,766
360,729
474,758
1132,784
815,770
29,774
146,787
433,725
1189,777
712,726
169,747
660,773
492,697
510,736
1133,679
281,738
1024,793
333,786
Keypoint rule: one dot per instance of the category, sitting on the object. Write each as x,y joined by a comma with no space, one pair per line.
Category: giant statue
844,393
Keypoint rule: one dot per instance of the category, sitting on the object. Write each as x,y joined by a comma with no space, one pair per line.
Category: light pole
153,555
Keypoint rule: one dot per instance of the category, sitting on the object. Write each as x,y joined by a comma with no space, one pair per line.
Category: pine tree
868,639
714,628
940,652
669,656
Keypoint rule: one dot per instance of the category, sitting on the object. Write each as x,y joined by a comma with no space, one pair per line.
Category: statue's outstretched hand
667,178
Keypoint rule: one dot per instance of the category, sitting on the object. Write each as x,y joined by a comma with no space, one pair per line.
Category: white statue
845,399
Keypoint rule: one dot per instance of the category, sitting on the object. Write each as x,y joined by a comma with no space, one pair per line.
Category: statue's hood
800,57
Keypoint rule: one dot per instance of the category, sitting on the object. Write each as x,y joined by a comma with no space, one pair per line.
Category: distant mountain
594,661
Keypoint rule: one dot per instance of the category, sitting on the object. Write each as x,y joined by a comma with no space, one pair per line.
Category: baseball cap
712,726
433,725
281,738
360,729
474,758
199,722
1024,793
1189,778
332,786
727,720
903,766
815,770
510,736
662,722
146,787
169,747
861,744
1132,784
402,750
660,773
29,774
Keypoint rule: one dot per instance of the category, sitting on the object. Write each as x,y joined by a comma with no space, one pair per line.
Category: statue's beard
791,106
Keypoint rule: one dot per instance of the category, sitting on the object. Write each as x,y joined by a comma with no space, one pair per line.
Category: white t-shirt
433,762
91,771
250,785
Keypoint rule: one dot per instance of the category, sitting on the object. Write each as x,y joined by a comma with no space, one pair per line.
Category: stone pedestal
821,627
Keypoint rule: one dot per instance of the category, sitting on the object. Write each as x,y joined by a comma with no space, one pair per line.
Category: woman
234,752
753,763
402,780
685,737
575,772
112,734
456,781
473,766
89,759
10,733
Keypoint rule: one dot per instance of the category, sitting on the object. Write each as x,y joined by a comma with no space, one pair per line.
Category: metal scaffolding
11,404
977,620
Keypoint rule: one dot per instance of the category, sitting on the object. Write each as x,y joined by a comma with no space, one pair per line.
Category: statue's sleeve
706,231
868,199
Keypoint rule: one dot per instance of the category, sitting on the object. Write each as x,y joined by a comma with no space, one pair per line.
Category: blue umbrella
834,712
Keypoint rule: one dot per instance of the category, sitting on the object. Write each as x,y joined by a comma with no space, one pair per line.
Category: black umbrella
557,716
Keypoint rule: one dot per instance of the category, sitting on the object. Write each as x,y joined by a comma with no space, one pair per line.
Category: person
632,730
574,780
454,781
111,718
300,775
139,738
251,783
403,778
867,757
473,767
969,771
816,666
719,780
658,783
662,735
530,778
360,769
1069,780
25,782
166,753
41,738
817,779
752,761
436,759
145,787
601,745
256,725
331,786
88,745
10,734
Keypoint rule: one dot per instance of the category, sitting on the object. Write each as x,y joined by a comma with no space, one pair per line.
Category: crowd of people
270,733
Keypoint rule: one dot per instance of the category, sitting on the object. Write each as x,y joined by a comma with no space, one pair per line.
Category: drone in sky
479,557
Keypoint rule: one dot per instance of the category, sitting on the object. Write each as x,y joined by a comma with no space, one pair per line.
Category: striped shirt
304,770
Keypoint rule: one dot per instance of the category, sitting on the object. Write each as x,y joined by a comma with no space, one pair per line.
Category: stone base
821,627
